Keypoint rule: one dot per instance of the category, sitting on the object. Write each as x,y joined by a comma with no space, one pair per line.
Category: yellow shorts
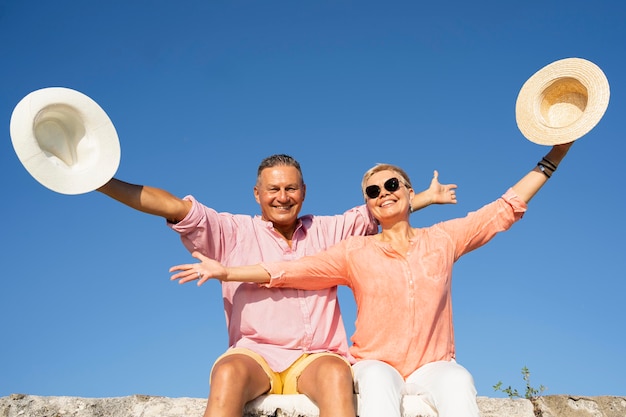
285,382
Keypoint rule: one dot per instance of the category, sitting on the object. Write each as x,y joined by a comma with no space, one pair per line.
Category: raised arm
435,194
147,199
531,183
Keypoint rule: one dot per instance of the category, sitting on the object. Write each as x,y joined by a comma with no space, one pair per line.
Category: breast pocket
435,265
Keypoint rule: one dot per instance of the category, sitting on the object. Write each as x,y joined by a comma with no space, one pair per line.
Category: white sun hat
65,140
562,101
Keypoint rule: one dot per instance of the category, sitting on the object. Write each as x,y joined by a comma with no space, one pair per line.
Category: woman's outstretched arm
209,268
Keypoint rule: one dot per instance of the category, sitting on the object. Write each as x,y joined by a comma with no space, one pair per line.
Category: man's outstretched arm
435,194
147,199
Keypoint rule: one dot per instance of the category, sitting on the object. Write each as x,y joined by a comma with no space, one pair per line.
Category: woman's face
393,197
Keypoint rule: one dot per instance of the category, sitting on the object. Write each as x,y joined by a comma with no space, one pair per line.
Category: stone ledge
19,405
579,406
300,406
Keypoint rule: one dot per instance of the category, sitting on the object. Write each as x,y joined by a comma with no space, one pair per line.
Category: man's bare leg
327,381
236,379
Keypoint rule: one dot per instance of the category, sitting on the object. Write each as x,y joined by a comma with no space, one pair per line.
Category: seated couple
281,340
401,279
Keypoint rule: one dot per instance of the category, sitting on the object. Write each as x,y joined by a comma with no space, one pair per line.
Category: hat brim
65,140
562,101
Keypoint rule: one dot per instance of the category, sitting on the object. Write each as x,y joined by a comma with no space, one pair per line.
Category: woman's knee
376,375
379,386
445,377
374,369
460,378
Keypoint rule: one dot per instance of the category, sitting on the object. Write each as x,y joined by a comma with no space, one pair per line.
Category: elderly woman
401,280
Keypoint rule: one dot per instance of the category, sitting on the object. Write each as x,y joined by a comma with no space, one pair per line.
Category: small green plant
530,394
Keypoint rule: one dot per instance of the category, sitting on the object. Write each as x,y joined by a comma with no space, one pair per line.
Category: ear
303,191
256,194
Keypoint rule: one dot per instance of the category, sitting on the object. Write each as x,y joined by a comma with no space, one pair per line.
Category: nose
383,192
282,195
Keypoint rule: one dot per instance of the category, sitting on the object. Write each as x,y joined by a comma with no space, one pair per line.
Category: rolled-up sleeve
207,231
518,205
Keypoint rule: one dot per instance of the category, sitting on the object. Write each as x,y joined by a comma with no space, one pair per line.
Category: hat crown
59,129
563,102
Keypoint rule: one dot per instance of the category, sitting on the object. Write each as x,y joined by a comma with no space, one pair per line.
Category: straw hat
65,140
562,101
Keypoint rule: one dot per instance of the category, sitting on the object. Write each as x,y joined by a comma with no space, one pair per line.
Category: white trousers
446,385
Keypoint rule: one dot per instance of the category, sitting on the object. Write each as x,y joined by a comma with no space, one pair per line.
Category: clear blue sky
201,91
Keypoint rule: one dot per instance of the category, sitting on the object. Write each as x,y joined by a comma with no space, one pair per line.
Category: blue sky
201,91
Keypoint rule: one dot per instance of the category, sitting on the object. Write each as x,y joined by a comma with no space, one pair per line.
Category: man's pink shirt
404,301
280,324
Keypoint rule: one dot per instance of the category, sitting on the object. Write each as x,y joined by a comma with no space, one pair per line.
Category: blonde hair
385,167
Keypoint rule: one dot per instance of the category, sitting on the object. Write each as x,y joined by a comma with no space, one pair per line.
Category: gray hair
279,160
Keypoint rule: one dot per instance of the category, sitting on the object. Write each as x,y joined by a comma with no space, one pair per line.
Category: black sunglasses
391,185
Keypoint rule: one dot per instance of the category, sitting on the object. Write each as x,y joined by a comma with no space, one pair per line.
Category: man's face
280,193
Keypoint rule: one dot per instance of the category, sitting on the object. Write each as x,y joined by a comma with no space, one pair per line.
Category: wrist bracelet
547,170
546,166
549,163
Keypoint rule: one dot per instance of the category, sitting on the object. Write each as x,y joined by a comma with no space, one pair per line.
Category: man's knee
238,378
228,369
335,368
327,372
236,370
327,381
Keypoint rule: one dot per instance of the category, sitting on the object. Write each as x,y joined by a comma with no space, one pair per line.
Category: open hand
207,268
442,193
